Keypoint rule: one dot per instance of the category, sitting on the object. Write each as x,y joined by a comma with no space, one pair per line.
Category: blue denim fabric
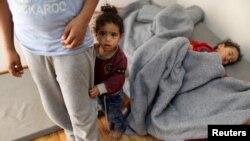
113,107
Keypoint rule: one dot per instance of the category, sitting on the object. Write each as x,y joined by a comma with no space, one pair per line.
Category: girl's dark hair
109,15
230,43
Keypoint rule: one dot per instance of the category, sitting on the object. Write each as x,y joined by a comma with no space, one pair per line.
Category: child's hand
14,64
73,34
190,47
94,92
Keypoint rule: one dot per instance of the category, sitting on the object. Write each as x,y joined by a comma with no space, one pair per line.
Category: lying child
229,51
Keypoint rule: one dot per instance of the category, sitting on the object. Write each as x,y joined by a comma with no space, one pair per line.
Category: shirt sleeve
102,89
201,46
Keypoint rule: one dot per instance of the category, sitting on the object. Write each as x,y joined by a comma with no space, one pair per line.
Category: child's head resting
229,51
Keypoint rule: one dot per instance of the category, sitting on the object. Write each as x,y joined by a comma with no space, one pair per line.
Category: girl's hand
94,92
73,34
14,64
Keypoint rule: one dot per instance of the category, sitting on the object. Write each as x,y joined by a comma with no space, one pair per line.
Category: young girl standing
110,67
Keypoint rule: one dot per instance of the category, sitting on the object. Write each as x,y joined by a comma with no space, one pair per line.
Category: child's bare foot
116,135
108,128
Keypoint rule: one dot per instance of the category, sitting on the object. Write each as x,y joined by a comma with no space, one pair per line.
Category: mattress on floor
22,117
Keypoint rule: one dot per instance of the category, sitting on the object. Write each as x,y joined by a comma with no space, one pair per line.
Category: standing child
110,67
229,51
57,45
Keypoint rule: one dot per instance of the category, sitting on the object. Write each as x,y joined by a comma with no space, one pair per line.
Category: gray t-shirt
39,25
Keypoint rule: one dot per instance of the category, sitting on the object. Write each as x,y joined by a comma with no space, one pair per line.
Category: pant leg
75,75
43,74
100,100
115,115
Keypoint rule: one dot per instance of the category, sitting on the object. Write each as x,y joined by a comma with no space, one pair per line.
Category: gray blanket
176,93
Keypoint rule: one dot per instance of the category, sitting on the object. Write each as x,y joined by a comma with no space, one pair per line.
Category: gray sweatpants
63,83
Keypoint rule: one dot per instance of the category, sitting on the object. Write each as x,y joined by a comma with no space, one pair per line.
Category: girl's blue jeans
111,105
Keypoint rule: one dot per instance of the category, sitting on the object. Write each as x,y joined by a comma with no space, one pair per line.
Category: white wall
226,18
